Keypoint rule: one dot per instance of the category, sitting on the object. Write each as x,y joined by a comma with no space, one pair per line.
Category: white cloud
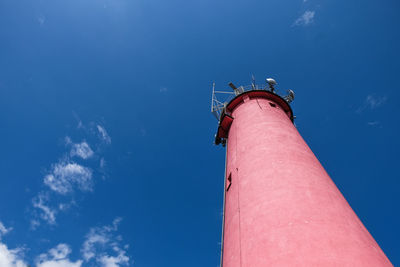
65,175
78,120
67,205
3,230
376,124
305,19
373,102
60,263
95,237
41,19
57,257
68,140
373,123
102,163
61,251
103,246
114,261
82,150
34,224
47,214
9,257
104,135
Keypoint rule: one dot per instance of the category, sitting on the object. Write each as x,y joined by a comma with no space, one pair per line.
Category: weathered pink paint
281,207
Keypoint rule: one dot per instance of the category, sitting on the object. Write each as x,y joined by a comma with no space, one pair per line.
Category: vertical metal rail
212,98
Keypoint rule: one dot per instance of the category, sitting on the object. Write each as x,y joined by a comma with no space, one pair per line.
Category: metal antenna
237,91
214,109
217,106
232,86
253,82
290,97
212,97
271,82
219,99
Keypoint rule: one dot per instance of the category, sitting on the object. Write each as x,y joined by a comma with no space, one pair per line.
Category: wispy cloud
143,131
375,101
81,150
102,163
45,212
163,89
9,257
78,120
71,174
305,19
373,123
103,246
65,176
57,257
103,134
372,102
41,19
3,230
114,261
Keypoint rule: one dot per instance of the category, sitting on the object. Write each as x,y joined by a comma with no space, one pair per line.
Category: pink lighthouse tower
281,208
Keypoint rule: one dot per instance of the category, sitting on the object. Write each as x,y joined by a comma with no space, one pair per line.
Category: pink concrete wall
282,208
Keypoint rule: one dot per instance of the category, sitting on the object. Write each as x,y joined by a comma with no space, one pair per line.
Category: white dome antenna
271,82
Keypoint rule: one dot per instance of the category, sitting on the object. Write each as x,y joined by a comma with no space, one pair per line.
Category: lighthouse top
224,102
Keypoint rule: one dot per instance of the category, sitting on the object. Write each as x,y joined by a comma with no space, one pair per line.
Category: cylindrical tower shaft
281,207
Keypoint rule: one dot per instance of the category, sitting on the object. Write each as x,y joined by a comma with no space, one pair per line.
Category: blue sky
107,156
